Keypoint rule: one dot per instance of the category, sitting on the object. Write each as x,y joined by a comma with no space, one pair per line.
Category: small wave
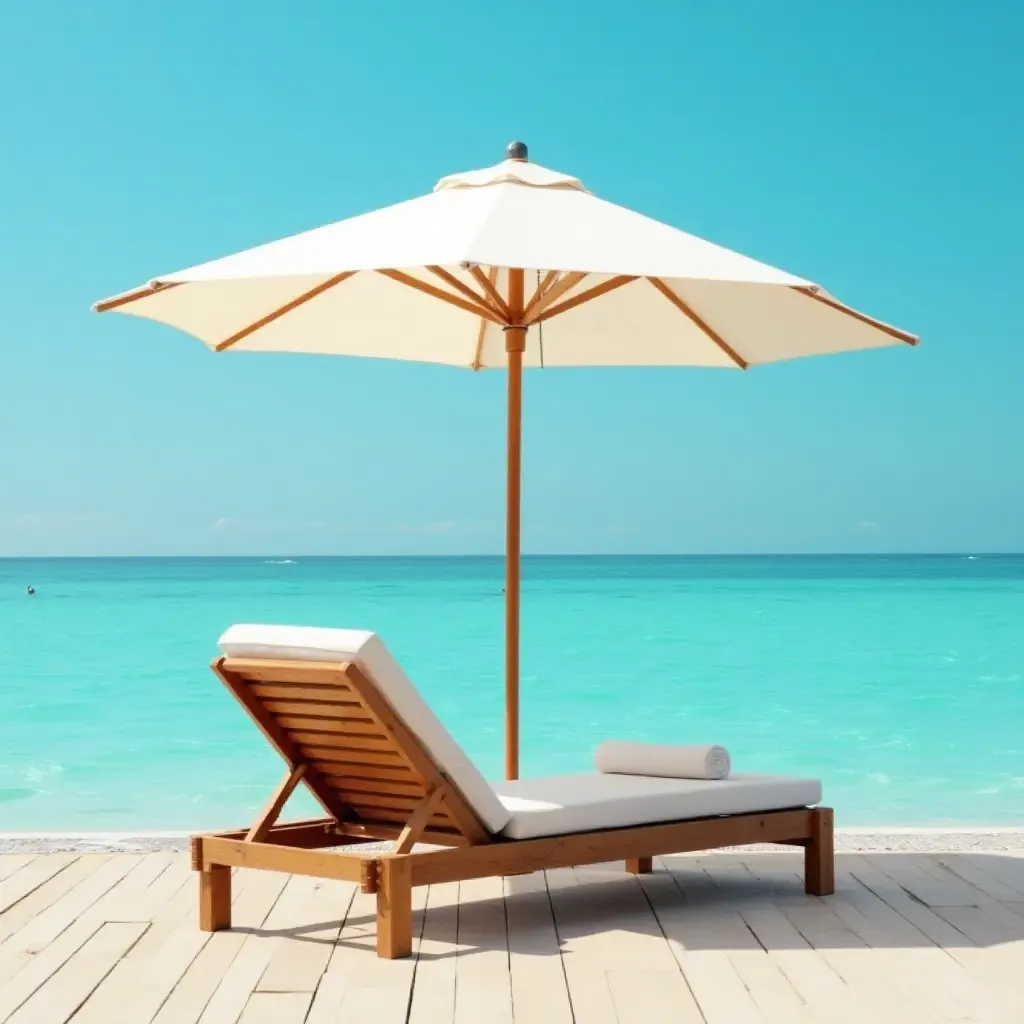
33,772
971,558
280,561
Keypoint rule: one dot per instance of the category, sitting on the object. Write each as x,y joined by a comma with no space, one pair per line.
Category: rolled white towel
617,757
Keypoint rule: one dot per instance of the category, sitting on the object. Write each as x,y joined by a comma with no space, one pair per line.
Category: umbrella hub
514,170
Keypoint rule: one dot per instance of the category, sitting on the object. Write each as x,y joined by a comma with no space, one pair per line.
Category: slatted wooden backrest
362,762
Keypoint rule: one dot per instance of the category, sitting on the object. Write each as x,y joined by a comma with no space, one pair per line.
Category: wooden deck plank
716,938
985,921
35,970
650,997
879,981
1007,866
298,964
981,876
836,943
128,900
993,967
822,989
729,972
47,925
589,954
246,968
913,876
483,989
33,875
939,875
44,896
357,986
357,1003
535,957
626,942
134,990
702,938
433,993
257,892
888,890
178,872
927,968
609,916
276,1008
773,993
40,965
12,862
69,987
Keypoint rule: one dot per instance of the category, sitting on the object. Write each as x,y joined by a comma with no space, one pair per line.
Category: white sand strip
848,840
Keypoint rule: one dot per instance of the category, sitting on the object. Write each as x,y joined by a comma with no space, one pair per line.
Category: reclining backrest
349,747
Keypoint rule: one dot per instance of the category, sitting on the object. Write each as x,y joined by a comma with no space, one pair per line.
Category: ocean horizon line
499,555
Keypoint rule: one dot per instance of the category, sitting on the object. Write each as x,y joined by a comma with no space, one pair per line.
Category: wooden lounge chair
356,733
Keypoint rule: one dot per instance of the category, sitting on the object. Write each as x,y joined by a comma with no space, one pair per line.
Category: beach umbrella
507,267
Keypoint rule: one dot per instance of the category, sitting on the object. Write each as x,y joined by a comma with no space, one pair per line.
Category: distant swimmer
30,591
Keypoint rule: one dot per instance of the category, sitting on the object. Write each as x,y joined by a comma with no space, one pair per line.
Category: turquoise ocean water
898,680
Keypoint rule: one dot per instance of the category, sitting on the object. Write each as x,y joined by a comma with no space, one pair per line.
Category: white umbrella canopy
509,266
657,296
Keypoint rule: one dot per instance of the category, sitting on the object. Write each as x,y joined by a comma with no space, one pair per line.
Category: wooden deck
724,938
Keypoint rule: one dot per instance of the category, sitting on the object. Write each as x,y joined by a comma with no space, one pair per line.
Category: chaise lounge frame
342,739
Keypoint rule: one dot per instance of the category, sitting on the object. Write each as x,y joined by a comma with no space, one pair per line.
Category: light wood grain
276,1008
298,964
29,972
69,987
358,987
141,980
12,862
267,818
46,924
535,964
243,973
483,989
728,938
433,996
36,873
258,892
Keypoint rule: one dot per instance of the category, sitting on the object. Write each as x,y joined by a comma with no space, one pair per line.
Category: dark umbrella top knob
516,151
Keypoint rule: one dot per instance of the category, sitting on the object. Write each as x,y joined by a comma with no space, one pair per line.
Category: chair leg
394,908
640,865
215,898
819,854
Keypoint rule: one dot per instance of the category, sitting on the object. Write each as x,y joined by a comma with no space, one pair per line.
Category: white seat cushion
367,650
580,803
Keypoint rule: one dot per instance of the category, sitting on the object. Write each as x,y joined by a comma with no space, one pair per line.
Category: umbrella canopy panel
610,286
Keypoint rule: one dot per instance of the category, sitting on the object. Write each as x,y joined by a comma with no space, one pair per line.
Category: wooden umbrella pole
515,345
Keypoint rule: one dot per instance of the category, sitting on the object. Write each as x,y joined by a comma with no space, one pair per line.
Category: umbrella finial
516,151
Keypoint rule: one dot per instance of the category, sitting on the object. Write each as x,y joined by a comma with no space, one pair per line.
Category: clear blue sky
873,147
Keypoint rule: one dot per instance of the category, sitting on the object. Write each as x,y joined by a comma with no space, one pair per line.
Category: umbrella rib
575,300
470,294
478,352
559,288
685,309
136,293
542,288
299,300
487,283
439,293
894,332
